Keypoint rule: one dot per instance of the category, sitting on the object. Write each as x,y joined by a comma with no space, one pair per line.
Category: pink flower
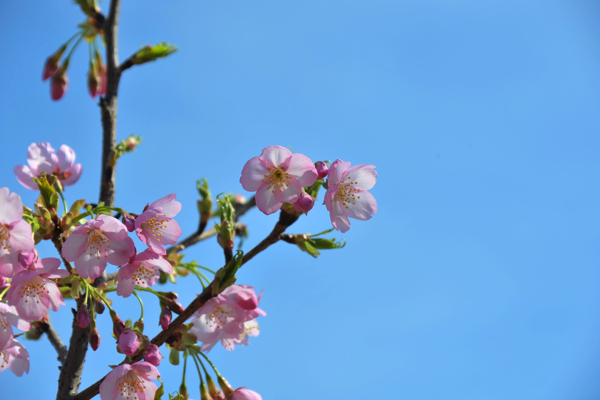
14,357
130,381
223,317
243,394
164,320
41,157
33,292
8,317
277,176
250,329
15,234
97,242
304,203
143,270
347,195
156,226
322,169
152,355
128,342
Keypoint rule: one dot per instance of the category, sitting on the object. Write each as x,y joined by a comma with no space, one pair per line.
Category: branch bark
55,341
70,374
285,220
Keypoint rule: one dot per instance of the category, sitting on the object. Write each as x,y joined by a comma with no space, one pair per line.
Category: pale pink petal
112,225
59,273
20,240
171,233
66,157
15,320
41,157
149,391
28,304
6,332
361,207
125,287
90,266
303,169
274,156
329,195
120,251
25,177
161,264
19,359
108,388
75,244
266,201
337,172
363,176
54,295
245,394
72,175
338,219
47,265
290,193
7,260
145,369
11,208
252,174
169,206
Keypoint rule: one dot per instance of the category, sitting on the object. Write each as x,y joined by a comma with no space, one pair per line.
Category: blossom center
220,316
143,274
3,359
130,385
33,290
346,192
4,236
156,224
97,244
276,179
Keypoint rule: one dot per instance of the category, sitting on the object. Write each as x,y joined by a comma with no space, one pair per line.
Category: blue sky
477,279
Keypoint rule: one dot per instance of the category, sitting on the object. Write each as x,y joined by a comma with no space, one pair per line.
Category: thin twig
285,220
55,341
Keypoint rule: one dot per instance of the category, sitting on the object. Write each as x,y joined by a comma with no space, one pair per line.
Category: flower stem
141,304
194,356
211,364
68,57
4,292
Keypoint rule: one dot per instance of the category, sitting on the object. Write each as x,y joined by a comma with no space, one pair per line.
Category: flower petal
72,175
253,174
169,206
90,266
47,265
66,157
338,219
120,251
363,175
274,156
303,169
75,244
11,208
41,157
290,193
25,177
266,201
337,172
54,295
20,240
361,207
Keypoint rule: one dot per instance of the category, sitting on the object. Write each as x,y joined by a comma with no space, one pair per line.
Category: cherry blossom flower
347,194
156,226
277,176
14,357
8,317
33,292
142,270
250,329
223,317
130,381
41,157
97,242
15,234
128,342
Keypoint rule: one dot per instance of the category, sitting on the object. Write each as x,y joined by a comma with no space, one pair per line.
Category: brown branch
70,374
55,341
200,235
285,220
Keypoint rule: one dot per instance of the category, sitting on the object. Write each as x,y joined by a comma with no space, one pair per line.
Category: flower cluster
230,318
279,177
41,157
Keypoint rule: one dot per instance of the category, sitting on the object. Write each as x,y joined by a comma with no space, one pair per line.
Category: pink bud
58,85
129,222
152,355
322,169
118,324
27,259
174,306
102,80
304,203
92,82
165,318
83,318
94,338
3,283
128,342
50,67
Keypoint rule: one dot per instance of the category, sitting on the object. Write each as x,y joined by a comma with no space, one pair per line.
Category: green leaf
225,276
160,391
174,357
47,192
76,207
152,53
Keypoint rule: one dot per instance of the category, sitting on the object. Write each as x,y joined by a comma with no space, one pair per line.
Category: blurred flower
8,317
14,357
41,157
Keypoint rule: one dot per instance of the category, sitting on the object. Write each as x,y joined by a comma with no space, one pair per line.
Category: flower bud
139,325
152,355
322,169
26,259
101,78
92,81
128,342
204,392
118,324
51,64
165,317
304,203
183,390
129,222
3,283
58,84
173,305
99,307
83,317
94,338
212,389
225,386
